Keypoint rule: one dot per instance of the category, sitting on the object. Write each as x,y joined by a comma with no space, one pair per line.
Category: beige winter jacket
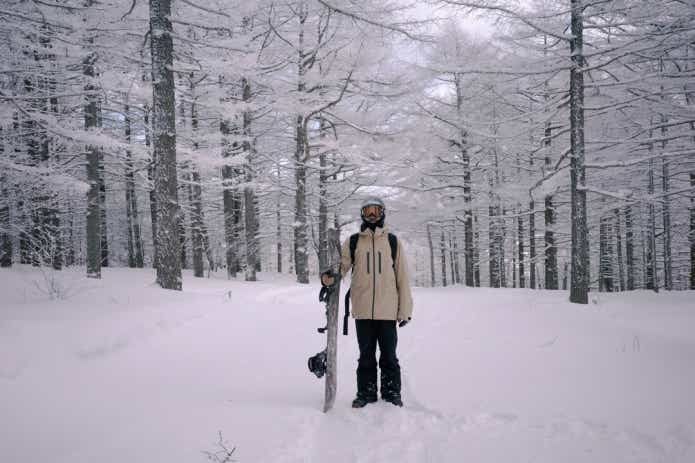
376,292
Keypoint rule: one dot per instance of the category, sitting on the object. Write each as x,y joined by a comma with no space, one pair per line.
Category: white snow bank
123,371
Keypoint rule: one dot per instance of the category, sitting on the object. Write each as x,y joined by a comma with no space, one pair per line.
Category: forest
540,144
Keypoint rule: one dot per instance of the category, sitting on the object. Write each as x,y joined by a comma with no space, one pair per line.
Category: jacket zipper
374,278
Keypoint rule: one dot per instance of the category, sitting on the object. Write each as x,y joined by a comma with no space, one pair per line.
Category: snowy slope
122,371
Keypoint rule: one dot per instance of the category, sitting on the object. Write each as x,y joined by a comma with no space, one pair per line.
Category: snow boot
361,401
395,399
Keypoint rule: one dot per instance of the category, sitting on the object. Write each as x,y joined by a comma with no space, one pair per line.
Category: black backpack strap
353,247
393,242
346,318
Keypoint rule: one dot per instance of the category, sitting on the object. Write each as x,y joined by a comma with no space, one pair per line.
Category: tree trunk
323,202
93,203
492,247
551,272
150,179
692,230
164,140
520,237
467,195
442,246
532,244
476,253
605,256
431,247
619,249
278,231
250,216
579,290
229,194
195,194
135,253
629,249
455,257
666,216
5,217
652,280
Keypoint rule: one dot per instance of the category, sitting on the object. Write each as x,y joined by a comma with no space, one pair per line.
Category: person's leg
366,365
388,361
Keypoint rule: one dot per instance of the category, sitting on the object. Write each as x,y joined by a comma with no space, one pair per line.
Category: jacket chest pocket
379,261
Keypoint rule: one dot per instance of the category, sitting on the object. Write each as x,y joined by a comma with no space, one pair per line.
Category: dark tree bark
135,252
579,290
195,192
93,158
431,247
520,238
692,231
150,179
467,194
454,256
476,253
230,200
666,217
442,246
164,141
551,272
619,251
606,276
652,281
629,249
6,250
250,206
532,244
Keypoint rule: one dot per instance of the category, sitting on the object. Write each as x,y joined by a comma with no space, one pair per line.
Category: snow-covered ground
121,371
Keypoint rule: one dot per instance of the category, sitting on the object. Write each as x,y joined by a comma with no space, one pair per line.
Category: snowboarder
381,298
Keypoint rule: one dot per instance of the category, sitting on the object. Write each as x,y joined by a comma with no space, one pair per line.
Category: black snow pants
369,334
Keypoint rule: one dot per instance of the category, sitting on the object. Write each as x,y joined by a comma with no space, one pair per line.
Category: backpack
393,243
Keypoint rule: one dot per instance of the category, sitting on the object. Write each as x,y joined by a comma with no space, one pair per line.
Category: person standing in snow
381,298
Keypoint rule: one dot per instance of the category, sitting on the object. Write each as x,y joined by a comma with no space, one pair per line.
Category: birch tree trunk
164,140
579,290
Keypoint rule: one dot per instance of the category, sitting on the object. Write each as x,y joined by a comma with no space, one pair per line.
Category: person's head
373,213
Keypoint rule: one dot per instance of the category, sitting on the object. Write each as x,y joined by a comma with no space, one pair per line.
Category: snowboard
332,308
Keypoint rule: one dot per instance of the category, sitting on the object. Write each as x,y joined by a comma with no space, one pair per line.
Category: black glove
402,323
328,278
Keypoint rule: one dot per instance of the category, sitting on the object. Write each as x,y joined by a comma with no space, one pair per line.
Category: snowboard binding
318,364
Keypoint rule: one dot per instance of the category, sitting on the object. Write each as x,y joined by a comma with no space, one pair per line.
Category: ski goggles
372,210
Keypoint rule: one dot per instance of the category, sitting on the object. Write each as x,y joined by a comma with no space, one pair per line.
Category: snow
119,370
